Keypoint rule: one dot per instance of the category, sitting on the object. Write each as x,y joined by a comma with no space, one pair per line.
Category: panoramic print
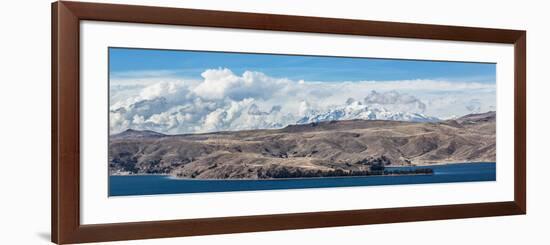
202,121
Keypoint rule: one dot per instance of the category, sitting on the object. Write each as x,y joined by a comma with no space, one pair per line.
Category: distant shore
343,176
427,164
297,178
135,174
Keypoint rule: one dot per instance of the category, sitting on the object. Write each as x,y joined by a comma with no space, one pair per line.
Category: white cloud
222,83
393,100
158,90
216,83
223,100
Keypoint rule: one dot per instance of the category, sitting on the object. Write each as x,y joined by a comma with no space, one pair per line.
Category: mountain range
318,145
356,110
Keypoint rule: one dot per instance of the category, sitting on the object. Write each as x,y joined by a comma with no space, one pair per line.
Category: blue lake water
159,184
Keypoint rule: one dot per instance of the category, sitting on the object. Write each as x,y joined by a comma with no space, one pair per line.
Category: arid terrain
309,150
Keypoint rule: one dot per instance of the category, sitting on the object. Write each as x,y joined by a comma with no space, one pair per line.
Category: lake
160,184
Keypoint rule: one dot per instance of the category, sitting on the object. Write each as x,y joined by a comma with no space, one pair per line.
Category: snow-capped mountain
357,110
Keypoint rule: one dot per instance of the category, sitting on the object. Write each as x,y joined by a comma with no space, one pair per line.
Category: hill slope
304,150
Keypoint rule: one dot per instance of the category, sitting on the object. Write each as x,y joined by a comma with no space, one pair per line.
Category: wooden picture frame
65,174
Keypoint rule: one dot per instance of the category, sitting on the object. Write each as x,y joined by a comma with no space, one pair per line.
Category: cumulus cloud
223,83
223,100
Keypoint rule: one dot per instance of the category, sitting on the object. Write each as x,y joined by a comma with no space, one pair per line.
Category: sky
173,91
127,63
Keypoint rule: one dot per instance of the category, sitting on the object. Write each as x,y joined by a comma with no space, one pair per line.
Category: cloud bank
222,100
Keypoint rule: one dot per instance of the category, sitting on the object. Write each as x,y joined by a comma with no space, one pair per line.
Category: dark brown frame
65,175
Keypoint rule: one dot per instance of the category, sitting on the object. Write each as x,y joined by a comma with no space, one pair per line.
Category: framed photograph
176,122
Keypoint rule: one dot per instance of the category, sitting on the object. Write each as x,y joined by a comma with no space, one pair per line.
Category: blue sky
195,91
140,63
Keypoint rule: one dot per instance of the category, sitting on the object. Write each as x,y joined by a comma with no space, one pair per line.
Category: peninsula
322,149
